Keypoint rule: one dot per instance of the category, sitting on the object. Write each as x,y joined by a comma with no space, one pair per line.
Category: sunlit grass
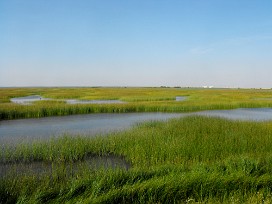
138,100
191,159
188,160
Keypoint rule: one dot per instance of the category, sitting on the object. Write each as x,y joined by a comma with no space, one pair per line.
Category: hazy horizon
136,43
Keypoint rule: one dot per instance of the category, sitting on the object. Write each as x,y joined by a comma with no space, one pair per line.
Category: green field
138,100
188,160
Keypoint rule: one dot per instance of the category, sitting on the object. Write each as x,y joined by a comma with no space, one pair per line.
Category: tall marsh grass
186,160
138,100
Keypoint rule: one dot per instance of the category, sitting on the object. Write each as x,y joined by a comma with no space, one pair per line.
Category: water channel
13,131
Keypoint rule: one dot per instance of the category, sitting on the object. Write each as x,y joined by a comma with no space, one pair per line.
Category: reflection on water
252,114
15,131
21,130
28,100
181,98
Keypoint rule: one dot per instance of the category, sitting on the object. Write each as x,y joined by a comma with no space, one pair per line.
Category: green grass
186,160
138,100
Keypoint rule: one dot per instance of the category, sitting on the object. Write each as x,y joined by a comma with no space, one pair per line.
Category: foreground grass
137,100
187,160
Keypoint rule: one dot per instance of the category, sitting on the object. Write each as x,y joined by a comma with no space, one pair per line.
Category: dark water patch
40,168
107,162
16,169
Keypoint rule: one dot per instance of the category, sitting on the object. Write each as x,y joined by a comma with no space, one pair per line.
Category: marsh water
28,100
181,98
14,131
251,114
24,130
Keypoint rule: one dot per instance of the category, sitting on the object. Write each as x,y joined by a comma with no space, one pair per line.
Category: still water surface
42,128
251,114
28,100
13,131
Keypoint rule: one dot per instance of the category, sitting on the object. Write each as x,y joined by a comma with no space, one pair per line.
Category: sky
187,43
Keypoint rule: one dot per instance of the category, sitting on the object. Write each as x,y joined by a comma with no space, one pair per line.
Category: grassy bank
187,160
137,100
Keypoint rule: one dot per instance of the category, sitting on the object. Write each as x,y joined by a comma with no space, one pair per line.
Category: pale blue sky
223,43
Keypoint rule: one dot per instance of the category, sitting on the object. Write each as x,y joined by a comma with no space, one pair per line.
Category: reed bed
187,160
137,100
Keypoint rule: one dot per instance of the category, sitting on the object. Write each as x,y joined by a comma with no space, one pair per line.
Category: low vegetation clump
187,160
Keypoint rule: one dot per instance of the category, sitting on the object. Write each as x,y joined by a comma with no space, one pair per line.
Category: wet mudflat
47,168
